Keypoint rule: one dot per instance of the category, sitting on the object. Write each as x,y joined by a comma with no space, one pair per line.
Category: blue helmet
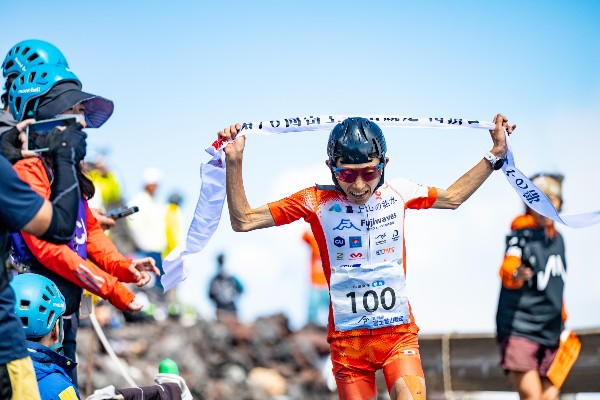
39,303
28,53
46,91
33,84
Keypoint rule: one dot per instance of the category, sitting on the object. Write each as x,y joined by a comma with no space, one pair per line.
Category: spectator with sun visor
46,91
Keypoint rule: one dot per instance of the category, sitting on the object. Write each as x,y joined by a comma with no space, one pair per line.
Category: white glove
172,378
106,393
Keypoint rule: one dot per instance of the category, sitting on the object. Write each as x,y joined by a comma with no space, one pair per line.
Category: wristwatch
495,162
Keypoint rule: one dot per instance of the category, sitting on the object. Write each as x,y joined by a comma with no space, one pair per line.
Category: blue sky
180,71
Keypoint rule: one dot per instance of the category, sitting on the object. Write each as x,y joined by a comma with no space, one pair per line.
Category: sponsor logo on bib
355,241
346,224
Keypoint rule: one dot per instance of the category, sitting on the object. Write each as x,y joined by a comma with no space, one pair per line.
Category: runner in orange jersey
359,226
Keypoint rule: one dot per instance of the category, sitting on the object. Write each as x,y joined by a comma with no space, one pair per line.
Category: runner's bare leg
409,387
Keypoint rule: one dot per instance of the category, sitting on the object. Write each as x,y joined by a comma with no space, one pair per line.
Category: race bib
369,296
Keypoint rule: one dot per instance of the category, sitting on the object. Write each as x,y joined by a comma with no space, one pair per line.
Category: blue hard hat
45,91
39,303
33,84
28,53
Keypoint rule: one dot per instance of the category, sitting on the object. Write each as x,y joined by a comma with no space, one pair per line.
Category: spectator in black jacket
224,290
53,220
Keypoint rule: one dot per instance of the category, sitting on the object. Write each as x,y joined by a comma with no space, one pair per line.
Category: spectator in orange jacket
45,92
318,301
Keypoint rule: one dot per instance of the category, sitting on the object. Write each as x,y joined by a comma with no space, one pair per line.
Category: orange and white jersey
358,243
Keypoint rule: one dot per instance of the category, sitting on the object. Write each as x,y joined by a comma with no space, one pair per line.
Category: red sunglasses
349,175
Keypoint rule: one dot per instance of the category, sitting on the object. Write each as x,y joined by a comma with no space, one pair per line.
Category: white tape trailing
206,219
212,192
538,201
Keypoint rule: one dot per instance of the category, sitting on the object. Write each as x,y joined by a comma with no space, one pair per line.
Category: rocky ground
222,359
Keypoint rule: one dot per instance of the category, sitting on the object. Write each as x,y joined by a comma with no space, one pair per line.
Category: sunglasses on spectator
350,175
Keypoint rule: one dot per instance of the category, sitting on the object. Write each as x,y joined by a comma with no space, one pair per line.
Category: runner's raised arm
243,217
467,184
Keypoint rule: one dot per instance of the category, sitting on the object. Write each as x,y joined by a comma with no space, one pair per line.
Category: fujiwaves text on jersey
377,221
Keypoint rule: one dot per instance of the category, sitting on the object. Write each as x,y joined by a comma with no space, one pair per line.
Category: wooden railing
470,362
